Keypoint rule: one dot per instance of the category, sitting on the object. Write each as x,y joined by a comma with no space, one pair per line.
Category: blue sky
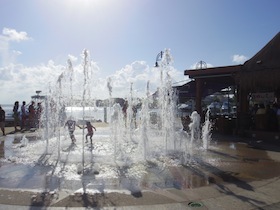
124,37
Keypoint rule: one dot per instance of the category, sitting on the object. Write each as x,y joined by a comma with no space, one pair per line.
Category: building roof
267,58
260,73
213,72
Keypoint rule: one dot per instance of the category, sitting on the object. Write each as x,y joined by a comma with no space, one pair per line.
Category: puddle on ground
224,162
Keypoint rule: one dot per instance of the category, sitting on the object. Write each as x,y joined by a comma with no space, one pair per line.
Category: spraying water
195,130
140,132
206,130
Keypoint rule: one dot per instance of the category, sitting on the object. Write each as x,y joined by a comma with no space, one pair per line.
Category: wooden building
258,77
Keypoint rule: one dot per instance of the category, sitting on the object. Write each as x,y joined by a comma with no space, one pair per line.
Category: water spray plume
140,134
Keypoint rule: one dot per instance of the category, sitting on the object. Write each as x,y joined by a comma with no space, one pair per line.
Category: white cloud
16,52
72,58
13,35
10,35
239,59
19,82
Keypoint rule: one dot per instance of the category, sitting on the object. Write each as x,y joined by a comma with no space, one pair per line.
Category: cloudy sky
124,37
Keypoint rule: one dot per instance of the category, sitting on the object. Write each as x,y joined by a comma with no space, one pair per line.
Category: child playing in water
71,124
89,128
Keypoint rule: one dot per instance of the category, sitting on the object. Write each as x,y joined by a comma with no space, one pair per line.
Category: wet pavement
234,173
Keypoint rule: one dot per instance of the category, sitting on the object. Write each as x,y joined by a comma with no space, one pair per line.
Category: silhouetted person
272,122
261,109
31,116
23,115
134,114
38,113
2,120
124,110
16,115
255,109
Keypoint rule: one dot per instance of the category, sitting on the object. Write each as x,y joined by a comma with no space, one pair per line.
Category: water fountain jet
120,148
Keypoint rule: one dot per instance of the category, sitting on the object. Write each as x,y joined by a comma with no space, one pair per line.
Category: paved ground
245,175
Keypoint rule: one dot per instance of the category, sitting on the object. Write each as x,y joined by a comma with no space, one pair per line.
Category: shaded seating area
261,121
256,81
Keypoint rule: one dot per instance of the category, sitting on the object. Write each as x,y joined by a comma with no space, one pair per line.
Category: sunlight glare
84,4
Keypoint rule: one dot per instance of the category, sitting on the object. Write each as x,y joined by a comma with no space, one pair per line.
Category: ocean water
88,113
78,113
8,108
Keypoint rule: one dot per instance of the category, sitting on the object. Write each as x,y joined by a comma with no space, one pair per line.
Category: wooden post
198,95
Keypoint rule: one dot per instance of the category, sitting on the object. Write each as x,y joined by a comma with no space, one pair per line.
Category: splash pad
146,136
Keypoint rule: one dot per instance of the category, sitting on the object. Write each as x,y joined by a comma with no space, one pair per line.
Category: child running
71,128
89,128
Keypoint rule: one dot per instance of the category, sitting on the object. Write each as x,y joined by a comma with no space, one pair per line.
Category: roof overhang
223,71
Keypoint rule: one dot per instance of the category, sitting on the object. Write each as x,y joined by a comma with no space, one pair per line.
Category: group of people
23,116
26,117
266,117
134,112
29,117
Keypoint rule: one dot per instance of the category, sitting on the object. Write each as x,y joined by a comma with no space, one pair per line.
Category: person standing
278,115
31,116
23,115
38,114
16,115
261,109
2,120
